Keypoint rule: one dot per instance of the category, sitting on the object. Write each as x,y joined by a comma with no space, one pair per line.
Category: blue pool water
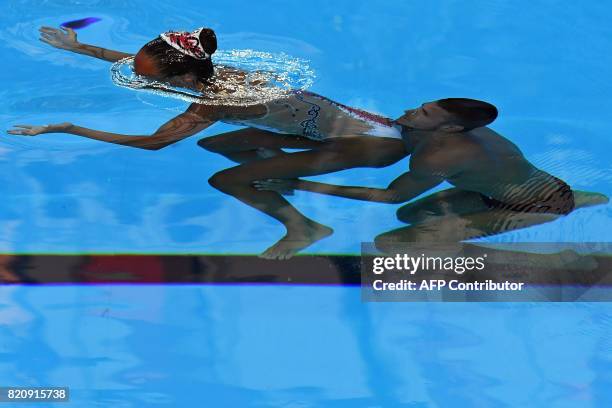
545,65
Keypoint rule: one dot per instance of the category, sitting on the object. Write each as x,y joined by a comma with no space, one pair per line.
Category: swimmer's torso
496,168
315,117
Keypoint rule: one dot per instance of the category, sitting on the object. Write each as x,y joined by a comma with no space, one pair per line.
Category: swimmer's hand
31,130
65,40
281,186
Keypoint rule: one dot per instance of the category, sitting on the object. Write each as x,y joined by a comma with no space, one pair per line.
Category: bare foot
588,199
296,240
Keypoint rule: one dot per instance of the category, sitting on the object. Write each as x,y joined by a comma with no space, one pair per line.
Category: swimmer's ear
451,128
208,39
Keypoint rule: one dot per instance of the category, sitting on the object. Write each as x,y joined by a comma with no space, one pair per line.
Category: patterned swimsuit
316,117
558,199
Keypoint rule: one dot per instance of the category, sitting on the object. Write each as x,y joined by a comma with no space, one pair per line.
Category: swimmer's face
429,116
147,66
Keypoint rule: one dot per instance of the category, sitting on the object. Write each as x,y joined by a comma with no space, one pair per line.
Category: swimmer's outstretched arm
404,188
177,129
67,40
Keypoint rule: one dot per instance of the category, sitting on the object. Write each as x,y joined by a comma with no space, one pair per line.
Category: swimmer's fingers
48,42
52,32
270,182
21,132
49,30
18,132
65,39
48,39
32,130
25,130
70,32
54,43
50,36
285,187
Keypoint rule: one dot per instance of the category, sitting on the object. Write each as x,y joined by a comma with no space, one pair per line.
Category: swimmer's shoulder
444,141
227,112
494,142
445,153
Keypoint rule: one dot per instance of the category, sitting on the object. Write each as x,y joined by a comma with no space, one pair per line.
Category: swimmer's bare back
480,161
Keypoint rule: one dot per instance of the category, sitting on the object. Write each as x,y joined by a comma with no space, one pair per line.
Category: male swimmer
496,189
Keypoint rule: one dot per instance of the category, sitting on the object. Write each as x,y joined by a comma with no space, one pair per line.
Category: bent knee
221,180
415,212
229,180
212,144
406,213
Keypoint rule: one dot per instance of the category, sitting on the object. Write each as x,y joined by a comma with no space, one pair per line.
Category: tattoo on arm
175,130
181,127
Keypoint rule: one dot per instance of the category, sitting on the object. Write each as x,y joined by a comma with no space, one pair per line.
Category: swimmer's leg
433,223
334,156
459,202
459,227
441,203
249,144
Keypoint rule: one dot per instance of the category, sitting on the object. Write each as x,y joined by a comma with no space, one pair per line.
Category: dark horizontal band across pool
179,269
337,270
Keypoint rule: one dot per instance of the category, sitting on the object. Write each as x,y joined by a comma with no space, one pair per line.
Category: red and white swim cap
187,43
